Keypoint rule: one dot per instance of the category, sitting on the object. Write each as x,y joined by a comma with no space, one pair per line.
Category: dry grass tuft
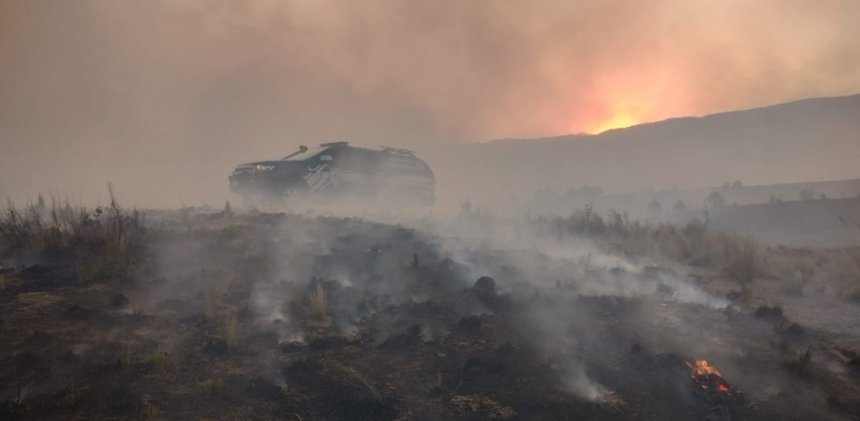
211,387
316,304
747,293
210,294
161,361
111,232
803,361
433,387
126,359
148,411
89,272
231,330
71,390
363,381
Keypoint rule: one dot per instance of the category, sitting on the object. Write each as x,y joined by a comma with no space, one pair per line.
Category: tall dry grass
694,243
110,236
316,304
63,225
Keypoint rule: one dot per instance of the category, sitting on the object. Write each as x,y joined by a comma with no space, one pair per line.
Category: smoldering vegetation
220,314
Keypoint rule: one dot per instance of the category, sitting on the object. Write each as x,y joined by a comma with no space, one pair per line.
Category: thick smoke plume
164,97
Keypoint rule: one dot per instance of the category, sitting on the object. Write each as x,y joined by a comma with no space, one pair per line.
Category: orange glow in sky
626,99
618,120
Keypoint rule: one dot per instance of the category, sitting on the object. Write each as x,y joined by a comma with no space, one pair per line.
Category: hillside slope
808,140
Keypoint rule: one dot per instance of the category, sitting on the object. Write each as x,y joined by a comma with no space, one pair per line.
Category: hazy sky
126,90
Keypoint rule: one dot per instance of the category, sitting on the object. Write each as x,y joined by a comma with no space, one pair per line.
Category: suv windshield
308,154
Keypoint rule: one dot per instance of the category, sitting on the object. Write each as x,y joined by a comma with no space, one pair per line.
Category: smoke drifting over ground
343,311
163,97
548,304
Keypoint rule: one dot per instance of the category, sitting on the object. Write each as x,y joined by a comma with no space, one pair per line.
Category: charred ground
187,315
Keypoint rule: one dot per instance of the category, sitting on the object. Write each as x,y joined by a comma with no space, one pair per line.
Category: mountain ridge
807,140
772,107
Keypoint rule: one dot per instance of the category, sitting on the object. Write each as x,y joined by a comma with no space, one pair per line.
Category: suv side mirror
326,158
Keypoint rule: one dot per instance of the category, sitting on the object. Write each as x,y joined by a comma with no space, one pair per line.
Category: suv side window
361,161
399,165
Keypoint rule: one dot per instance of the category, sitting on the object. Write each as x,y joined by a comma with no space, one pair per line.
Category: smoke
581,385
164,97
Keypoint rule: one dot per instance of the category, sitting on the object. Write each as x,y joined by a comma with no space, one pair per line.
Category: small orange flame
702,371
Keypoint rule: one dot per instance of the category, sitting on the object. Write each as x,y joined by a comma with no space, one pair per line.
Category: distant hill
636,203
809,140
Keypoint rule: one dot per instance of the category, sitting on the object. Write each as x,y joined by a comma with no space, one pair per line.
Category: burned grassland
116,314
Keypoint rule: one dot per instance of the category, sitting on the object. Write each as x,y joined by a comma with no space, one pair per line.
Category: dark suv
337,170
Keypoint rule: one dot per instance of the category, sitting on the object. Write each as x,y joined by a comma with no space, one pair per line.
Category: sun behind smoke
617,121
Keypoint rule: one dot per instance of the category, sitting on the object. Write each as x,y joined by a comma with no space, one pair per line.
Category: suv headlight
263,167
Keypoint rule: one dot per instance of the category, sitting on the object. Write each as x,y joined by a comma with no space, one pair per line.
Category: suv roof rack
398,150
323,145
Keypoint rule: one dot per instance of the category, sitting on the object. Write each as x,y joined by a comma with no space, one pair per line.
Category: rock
665,290
118,300
502,413
292,346
412,337
485,287
470,324
215,347
482,367
77,312
264,389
